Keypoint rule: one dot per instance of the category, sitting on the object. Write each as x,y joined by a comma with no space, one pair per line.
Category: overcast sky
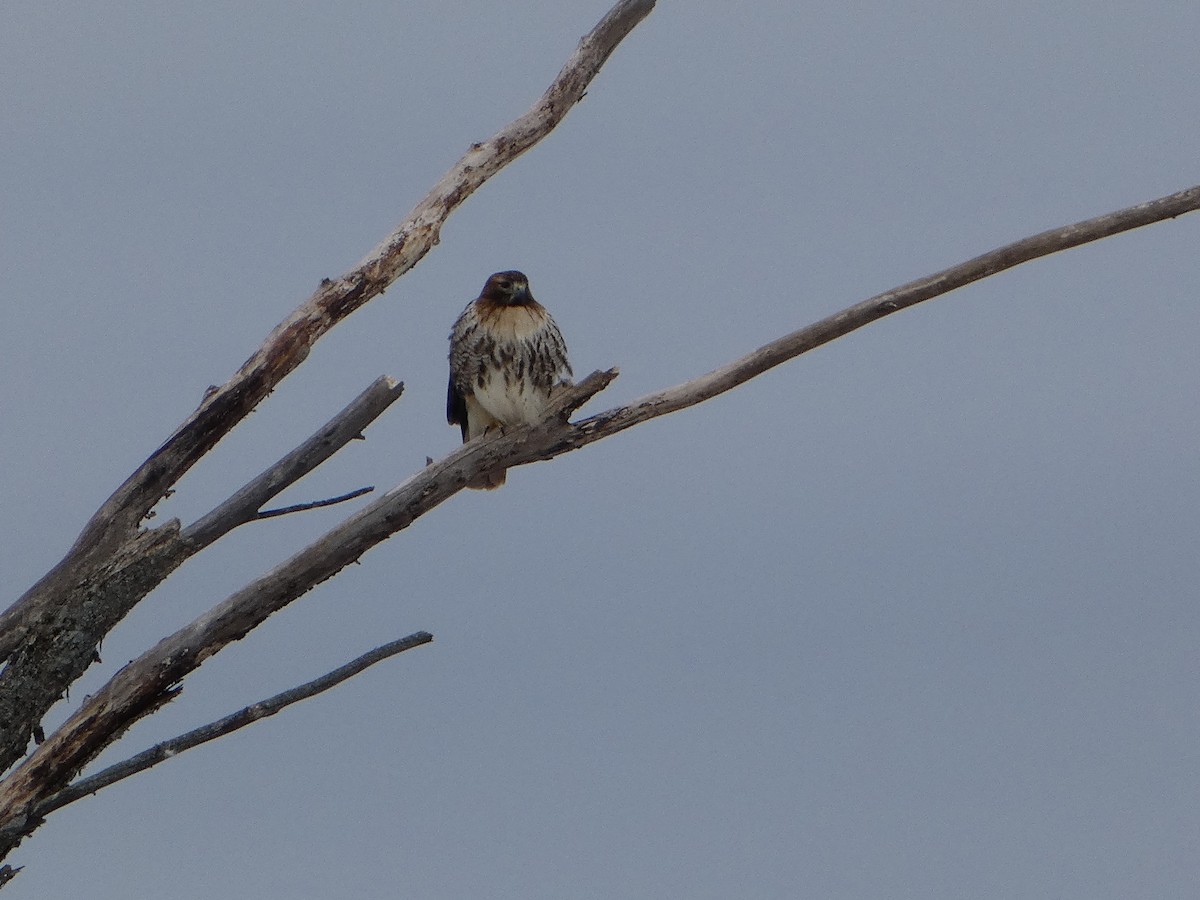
913,616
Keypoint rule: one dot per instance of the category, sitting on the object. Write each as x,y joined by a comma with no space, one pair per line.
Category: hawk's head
507,287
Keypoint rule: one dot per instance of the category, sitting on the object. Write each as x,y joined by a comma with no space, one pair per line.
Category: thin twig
243,717
314,504
331,437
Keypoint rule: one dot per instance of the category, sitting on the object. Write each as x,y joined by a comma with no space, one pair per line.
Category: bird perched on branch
506,357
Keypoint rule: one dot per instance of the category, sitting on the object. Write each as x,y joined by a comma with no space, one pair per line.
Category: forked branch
246,503
61,645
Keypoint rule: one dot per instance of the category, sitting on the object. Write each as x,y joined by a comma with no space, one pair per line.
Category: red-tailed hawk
506,356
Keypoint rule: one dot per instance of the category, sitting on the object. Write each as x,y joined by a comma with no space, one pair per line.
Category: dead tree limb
874,308
116,523
245,504
151,680
247,716
109,568
63,644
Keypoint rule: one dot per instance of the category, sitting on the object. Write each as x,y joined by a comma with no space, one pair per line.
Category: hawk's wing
456,407
456,400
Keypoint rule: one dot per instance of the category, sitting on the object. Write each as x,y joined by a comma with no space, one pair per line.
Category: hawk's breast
508,359
513,324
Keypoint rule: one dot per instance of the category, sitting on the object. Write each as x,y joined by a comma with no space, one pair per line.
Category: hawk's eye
506,285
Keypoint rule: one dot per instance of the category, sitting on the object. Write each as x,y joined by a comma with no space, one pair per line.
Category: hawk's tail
488,481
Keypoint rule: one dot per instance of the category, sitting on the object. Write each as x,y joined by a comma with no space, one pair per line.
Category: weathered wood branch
80,581
64,642
152,679
874,308
147,682
289,343
245,504
247,716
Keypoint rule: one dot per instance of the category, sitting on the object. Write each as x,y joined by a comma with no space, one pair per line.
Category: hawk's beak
522,295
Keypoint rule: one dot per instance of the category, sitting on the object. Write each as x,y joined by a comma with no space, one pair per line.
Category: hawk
506,357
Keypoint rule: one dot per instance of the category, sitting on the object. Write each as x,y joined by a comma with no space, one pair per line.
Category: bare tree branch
146,683
60,604
792,345
313,504
289,343
245,504
151,680
63,645
243,717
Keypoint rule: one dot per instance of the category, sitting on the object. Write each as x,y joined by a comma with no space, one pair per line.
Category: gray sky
913,616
